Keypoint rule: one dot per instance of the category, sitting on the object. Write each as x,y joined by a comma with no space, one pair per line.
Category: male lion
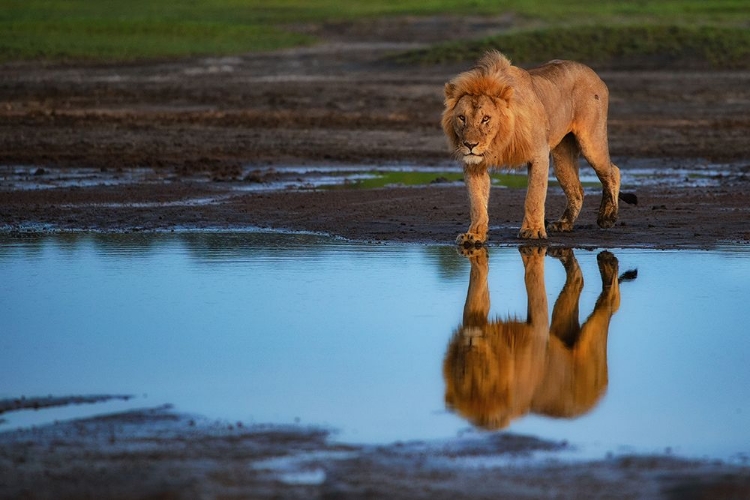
499,115
496,371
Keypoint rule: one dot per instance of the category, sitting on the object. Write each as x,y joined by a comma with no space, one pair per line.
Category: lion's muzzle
470,155
472,159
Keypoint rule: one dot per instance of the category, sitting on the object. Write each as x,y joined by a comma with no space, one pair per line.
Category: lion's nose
471,145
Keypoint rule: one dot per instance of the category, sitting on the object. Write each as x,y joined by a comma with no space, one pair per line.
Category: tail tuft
630,275
629,198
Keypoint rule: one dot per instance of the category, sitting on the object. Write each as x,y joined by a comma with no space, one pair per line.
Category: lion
501,116
497,371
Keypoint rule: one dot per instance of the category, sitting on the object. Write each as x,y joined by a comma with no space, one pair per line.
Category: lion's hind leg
565,160
592,139
609,299
596,152
609,207
565,323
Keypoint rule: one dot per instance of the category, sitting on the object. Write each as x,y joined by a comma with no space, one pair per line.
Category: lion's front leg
477,305
478,187
537,309
533,219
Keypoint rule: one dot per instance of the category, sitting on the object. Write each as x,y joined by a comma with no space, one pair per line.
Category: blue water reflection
275,328
497,370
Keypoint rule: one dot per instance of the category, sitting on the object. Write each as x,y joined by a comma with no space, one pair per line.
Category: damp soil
197,144
157,453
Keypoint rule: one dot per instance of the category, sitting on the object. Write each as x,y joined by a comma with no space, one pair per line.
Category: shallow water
299,328
635,172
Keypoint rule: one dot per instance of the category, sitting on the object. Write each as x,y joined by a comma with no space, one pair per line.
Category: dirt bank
666,216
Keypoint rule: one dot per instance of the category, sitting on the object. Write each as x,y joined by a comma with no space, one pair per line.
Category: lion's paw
608,265
527,251
469,240
607,214
560,226
561,253
532,234
474,254
605,222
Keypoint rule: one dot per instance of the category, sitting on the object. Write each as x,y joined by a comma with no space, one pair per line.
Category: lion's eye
485,119
462,118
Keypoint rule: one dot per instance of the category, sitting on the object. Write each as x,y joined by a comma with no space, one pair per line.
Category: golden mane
489,77
493,77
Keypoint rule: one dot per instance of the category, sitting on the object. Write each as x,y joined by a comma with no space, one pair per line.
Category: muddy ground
158,453
204,143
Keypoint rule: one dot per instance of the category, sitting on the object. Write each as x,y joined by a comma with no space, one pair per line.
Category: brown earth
197,143
159,454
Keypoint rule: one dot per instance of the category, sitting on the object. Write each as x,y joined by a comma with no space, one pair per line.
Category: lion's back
573,95
566,74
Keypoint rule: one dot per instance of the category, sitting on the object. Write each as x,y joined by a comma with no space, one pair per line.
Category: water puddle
635,172
21,177
385,343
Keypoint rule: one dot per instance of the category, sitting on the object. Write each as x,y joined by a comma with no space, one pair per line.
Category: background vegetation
641,45
138,29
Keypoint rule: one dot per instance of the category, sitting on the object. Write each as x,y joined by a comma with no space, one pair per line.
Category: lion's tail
629,198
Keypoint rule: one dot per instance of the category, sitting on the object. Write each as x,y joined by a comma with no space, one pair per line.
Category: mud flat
157,453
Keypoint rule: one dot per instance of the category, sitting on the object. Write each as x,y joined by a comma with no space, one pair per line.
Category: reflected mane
482,382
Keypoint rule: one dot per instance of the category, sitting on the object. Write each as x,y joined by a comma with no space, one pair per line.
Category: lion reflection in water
496,371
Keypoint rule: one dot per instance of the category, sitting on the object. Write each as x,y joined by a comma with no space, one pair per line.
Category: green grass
137,29
379,179
719,47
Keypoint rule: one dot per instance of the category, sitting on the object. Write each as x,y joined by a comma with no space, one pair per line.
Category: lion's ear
450,90
506,94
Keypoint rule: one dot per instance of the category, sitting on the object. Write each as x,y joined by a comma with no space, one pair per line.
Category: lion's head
474,123
490,372
481,116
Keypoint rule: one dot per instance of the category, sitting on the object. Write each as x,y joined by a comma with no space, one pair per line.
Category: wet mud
157,453
199,143
667,216
12,405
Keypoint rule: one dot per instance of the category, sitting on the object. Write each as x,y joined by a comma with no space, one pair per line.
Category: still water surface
278,328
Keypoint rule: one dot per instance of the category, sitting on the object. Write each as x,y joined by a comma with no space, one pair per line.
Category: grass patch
380,179
138,29
147,39
663,45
